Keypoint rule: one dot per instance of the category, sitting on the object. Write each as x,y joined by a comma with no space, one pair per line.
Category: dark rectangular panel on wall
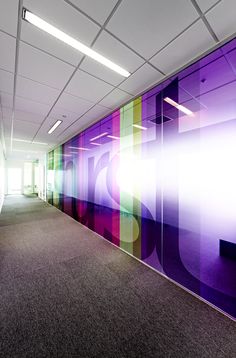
157,177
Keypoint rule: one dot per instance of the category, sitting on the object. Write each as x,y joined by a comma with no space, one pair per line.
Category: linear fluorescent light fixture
139,127
113,137
28,141
54,126
179,106
60,35
31,151
98,136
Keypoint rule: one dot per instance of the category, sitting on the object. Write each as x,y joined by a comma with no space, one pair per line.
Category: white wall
2,176
14,163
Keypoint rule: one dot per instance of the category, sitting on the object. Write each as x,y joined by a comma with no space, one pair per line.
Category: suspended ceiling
43,80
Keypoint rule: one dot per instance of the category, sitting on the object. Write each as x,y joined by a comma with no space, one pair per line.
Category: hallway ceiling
43,80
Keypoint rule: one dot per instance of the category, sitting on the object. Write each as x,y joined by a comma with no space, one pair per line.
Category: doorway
14,181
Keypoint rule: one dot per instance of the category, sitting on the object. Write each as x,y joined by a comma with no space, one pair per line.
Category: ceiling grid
40,98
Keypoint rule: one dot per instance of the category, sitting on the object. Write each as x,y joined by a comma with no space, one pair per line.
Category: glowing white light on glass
113,137
98,136
139,127
179,106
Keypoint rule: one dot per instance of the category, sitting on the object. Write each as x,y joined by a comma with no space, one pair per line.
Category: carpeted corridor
65,292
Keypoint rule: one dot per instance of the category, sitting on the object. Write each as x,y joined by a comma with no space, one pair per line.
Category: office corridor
65,292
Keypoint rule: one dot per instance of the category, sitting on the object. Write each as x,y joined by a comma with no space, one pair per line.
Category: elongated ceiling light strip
60,35
28,141
54,126
179,106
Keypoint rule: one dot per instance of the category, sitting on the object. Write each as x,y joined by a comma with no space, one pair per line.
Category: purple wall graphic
158,177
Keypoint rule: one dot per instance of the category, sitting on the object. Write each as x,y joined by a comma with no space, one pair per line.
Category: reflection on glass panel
157,177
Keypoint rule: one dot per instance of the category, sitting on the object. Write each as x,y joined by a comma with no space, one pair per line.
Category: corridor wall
2,176
157,177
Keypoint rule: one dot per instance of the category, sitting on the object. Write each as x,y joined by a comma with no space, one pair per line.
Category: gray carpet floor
65,292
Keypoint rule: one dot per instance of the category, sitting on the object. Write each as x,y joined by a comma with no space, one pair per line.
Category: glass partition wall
157,178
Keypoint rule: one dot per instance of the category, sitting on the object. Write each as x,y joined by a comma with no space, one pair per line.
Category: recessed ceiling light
179,106
60,35
41,143
98,136
54,127
113,137
139,127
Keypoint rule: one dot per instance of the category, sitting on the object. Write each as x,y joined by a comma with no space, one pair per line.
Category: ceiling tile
23,115
88,87
43,135
6,99
7,112
63,16
147,26
55,47
98,10
6,81
63,114
38,66
111,48
24,130
206,4
100,71
178,54
8,16
26,105
25,154
73,104
7,127
115,99
224,25
69,133
141,79
36,91
26,151
46,138
93,115
8,49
